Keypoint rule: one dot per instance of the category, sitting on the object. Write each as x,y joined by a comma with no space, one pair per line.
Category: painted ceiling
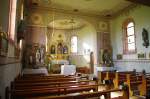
90,7
66,24
98,8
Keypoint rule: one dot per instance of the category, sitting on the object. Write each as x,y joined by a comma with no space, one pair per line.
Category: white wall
7,74
141,17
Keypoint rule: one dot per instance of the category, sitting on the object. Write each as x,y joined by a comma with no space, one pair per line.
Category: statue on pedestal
107,58
42,54
38,56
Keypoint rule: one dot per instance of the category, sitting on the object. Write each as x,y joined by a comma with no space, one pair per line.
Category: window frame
126,36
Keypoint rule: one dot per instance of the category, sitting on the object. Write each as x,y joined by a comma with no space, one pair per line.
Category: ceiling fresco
66,24
88,7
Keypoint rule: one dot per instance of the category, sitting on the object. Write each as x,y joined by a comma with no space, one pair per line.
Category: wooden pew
50,84
45,79
29,87
101,76
145,87
28,76
43,90
106,94
120,77
134,81
138,82
21,93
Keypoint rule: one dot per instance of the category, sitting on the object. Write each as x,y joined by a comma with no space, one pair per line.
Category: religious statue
107,58
65,49
91,62
59,48
52,49
38,56
145,38
42,53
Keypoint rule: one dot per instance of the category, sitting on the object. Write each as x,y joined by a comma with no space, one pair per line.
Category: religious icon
65,49
53,49
59,48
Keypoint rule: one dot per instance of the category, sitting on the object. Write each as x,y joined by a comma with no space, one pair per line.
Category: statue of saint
52,49
107,59
145,38
59,48
42,53
38,56
65,49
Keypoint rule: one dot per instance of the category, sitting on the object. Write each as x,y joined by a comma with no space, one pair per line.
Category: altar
68,69
41,70
55,65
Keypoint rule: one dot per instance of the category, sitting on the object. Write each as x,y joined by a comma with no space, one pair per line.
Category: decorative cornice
133,60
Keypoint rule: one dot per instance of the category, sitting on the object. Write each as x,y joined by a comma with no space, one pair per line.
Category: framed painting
141,55
119,56
65,49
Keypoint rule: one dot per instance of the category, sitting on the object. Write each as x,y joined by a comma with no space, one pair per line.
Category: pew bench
21,93
106,93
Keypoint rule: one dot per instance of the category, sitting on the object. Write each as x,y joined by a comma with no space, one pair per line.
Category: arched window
74,41
12,19
129,37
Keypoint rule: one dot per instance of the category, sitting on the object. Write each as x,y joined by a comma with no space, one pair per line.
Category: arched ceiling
88,7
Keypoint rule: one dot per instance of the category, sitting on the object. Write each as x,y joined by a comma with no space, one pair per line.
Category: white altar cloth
68,69
35,71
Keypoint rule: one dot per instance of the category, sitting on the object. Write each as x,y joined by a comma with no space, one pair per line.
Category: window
129,37
74,44
12,19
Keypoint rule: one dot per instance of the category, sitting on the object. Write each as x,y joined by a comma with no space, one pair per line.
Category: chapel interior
69,49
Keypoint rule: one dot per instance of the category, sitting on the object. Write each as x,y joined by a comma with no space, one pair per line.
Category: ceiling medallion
103,26
36,18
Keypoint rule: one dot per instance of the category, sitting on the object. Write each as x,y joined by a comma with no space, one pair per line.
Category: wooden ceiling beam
144,2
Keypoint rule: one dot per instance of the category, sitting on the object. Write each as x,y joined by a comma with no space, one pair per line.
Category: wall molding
133,60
